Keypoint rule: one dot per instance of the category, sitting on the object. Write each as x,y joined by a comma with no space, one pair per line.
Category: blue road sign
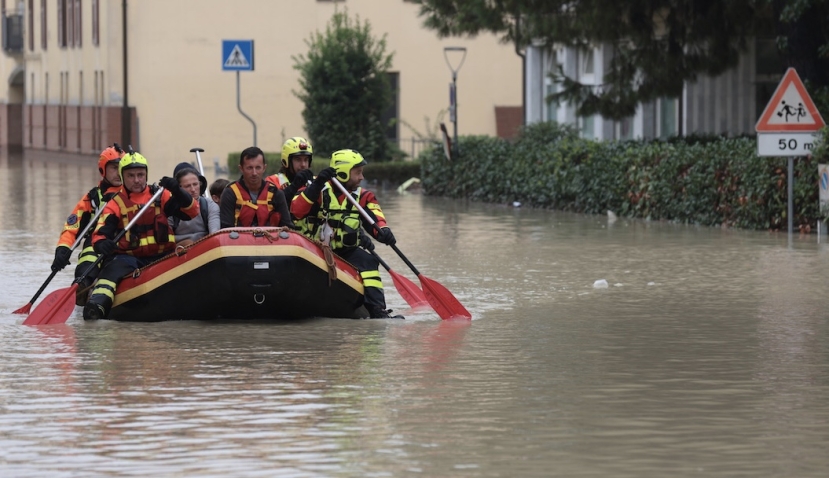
237,55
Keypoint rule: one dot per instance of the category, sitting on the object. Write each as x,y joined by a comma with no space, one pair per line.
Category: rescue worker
346,236
83,212
251,201
149,239
295,171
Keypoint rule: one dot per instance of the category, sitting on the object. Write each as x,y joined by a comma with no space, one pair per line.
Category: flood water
706,355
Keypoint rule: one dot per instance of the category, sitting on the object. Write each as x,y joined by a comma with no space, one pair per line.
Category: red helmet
112,154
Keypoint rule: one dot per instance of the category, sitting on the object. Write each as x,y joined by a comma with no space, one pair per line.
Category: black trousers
368,266
111,274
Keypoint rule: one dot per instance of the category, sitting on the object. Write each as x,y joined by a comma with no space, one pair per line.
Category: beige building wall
184,99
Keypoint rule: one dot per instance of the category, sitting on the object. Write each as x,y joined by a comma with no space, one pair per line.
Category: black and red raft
242,273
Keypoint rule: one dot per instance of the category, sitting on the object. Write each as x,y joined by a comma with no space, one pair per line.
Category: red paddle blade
444,303
409,291
55,308
24,310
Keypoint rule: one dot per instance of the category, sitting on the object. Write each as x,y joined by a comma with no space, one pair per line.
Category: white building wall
721,105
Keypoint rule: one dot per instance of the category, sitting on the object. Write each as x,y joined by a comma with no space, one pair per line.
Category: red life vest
151,234
259,210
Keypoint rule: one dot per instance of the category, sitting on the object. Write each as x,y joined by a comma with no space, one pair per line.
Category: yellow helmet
296,146
130,161
344,160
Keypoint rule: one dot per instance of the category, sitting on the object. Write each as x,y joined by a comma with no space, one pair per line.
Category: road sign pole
239,107
791,195
237,55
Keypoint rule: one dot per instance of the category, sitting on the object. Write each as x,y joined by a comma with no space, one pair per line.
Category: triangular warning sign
236,59
790,108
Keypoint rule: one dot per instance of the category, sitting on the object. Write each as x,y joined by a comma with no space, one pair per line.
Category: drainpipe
126,117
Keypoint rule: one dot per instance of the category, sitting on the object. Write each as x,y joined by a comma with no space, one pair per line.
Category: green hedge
710,181
395,172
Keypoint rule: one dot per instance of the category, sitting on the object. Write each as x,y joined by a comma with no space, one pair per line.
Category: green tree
345,88
658,44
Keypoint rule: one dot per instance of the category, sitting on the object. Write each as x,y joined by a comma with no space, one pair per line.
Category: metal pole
239,107
455,123
126,117
791,195
454,71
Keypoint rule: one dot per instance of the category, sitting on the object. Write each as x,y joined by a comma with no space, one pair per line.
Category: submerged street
706,354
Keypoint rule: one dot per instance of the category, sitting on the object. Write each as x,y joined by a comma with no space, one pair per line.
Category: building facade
727,104
82,74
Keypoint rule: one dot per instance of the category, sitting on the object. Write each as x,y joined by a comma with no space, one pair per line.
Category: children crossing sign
237,55
788,125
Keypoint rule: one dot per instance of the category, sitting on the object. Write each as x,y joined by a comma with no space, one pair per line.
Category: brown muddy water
706,355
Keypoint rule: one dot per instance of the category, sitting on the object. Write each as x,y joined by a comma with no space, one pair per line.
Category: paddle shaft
78,241
439,297
201,167
373,223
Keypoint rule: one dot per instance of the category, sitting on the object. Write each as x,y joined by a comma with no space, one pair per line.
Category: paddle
58,306
26,308
201,167
406,288
439,297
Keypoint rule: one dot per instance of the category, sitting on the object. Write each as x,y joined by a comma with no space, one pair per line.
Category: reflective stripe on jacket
255,211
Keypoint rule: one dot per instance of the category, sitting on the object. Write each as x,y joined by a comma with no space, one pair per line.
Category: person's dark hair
188,170
248,153
218,186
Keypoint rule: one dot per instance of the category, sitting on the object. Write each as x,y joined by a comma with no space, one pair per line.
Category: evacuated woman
207,222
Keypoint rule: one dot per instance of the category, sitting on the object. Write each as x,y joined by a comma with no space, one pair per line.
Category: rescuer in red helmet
81,215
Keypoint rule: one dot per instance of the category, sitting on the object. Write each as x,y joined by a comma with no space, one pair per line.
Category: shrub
710,181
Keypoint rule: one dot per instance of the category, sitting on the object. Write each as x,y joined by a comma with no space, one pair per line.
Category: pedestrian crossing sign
790,109
237,55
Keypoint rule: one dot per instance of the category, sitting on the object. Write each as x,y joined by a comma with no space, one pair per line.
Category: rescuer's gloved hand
105,247
62,255
169,183
385,236
325,175
365,242
302,178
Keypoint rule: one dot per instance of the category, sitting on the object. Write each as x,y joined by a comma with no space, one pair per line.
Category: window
667,117
551,106
624,129
44,37
587,64
31,23
78,31
550,87
588,126
61,23
69,22
95,32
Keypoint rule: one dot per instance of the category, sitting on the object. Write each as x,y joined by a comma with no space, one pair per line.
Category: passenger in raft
149,239
83,212
295,171
251,201
207,222
323,200
217,188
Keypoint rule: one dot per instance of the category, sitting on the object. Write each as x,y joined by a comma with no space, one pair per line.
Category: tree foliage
345,88
658,45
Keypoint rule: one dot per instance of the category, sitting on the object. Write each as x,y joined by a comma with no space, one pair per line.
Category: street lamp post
453,90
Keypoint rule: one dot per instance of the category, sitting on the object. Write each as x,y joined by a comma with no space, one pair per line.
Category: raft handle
258,300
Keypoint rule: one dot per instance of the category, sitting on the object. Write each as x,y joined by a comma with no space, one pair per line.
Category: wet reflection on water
707,354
